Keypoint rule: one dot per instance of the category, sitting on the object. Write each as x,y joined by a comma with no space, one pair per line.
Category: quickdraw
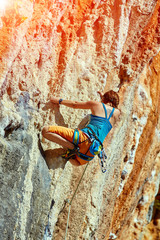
102,160
47,231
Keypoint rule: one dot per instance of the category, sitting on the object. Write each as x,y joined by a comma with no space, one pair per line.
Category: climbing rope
70,202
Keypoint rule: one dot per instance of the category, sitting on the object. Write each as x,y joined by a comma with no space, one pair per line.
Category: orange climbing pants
68,134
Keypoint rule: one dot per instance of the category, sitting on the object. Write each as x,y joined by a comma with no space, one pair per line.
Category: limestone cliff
71,49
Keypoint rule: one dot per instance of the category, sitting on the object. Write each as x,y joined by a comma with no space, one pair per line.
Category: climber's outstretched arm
75,104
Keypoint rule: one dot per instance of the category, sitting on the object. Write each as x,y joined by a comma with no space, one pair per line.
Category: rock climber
104,116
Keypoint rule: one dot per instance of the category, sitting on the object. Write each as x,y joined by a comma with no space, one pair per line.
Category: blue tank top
100,125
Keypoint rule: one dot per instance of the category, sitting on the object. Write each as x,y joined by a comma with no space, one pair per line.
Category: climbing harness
96,144
96,148
70,201
76,142
72,152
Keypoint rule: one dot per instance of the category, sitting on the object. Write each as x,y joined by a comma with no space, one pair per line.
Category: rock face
71,49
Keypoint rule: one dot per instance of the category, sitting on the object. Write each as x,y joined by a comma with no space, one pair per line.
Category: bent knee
45,130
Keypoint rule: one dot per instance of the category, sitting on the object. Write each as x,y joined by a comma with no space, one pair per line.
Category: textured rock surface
151,231
72,49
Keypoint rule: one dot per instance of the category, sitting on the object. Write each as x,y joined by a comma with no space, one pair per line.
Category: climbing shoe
71,153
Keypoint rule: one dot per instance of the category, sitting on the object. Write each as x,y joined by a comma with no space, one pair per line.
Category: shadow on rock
53,158
59,120
48,105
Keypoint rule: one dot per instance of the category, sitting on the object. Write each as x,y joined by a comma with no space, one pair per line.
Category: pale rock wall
71,49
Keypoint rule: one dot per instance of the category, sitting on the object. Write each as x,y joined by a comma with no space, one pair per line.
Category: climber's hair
111,97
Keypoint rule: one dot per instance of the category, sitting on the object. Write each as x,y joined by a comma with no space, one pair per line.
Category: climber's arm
75,104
